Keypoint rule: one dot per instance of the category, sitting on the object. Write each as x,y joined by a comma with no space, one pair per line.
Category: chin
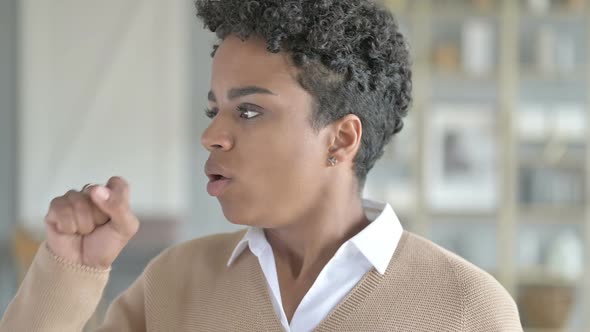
238,214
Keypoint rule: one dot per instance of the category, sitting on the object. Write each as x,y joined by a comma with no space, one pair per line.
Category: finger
83,214
60,215
120,191
50,217
113,199
118,201
99,217
87,186
68,220
63,245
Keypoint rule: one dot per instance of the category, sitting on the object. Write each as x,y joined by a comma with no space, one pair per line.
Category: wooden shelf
528,73
554,14
462,14
442,75
564,162
465,216
535,329
398,8
541,276
513,80
548,214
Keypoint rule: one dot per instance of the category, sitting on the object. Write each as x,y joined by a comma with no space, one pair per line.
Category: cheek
276,182
280,172
290,166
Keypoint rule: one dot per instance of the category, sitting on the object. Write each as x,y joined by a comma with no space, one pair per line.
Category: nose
217,136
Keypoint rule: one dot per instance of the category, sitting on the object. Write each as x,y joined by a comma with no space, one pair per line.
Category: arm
61,297
54,296
86,231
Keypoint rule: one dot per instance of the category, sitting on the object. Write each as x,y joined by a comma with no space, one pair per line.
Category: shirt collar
377,242
254,239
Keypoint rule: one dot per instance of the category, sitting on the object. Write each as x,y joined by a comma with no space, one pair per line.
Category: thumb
100,195
113,200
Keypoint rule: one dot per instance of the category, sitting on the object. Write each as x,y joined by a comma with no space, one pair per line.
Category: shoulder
436,257
486,304
204,253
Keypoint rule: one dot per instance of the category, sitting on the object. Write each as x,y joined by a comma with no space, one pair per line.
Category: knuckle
85,227
64,214
71,193
80,206
56,208
61,225
66,225
56,202
60,213
73,200
50,217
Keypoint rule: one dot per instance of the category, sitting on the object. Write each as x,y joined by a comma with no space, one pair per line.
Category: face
260,137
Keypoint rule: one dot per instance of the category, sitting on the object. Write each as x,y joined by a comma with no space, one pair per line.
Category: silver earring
332,161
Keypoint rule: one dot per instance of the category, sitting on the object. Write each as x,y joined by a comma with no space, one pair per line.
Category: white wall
104,92
116,88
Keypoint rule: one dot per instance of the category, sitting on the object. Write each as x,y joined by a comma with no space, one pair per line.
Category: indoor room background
492,164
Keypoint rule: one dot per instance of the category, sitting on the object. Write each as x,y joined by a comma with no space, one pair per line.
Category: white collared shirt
372,248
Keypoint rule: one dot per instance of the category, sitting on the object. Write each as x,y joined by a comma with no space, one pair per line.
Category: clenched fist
93,226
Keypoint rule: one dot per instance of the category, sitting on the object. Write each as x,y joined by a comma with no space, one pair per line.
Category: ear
347,138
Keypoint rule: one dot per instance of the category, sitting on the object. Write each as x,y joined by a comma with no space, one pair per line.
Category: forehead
239,63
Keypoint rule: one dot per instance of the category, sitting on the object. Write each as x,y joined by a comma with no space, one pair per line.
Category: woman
304,96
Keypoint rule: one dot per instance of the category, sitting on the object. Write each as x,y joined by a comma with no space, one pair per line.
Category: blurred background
492,164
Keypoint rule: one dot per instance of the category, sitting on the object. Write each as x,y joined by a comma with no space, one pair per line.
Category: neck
305,246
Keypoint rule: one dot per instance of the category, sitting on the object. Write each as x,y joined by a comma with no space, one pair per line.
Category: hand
93,226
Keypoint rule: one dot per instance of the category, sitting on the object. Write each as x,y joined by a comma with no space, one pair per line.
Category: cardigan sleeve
57,296
54,296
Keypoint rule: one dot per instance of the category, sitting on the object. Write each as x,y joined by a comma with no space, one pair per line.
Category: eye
210,113
247,112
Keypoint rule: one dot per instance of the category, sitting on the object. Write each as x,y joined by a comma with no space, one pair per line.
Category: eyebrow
241,92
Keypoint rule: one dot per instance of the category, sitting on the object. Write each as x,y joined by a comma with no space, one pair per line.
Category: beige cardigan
189,287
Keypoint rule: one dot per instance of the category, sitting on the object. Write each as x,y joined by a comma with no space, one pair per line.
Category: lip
219,178
216,188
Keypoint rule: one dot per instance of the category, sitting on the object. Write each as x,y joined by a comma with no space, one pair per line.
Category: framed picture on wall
461,158
400,155
392,177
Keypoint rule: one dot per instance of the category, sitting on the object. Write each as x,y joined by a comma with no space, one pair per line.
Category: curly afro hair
350,55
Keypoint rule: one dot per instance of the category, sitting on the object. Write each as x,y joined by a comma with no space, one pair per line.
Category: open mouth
216,177
217,184
219,178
